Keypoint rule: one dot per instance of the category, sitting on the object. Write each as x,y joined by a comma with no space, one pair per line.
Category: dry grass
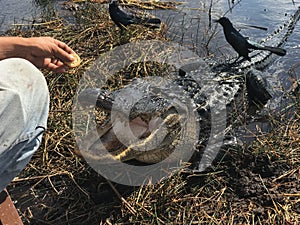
257,184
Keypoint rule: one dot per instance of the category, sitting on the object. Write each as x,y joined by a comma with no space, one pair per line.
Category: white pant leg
24,107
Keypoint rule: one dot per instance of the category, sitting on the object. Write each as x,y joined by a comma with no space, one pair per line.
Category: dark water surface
17,11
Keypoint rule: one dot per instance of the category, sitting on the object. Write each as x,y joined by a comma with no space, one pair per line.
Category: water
17,11
25,11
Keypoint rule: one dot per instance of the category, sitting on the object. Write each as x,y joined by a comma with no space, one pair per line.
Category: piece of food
76,62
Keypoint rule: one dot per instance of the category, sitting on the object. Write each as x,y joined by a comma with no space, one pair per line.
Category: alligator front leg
257,87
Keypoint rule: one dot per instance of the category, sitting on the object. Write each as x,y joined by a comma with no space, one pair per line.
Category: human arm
43,52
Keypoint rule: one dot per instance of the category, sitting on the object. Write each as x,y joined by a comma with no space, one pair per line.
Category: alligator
181,118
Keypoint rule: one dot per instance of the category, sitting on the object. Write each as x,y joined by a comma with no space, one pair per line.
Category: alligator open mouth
147,129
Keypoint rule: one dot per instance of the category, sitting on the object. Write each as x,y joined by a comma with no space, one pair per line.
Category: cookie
76,62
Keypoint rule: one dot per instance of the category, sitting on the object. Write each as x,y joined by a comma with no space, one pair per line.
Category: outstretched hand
43,52
49,53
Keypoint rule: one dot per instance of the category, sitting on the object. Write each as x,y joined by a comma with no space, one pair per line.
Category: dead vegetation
256,184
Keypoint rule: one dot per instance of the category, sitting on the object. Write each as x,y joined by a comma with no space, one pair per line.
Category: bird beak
216,21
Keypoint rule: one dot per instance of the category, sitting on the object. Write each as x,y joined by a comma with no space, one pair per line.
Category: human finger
63,55
56,68
55,65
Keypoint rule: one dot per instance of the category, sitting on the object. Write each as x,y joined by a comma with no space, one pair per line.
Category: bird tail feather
147,20
153,20
275,50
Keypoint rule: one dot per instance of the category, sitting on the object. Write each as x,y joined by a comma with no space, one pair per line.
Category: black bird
240,44
123,19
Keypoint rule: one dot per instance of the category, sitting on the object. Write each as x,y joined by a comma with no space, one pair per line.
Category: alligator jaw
115,137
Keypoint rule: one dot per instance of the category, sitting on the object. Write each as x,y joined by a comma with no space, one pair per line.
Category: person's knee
20,72
24,93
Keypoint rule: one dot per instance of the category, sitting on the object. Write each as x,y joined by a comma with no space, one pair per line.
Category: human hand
48,53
